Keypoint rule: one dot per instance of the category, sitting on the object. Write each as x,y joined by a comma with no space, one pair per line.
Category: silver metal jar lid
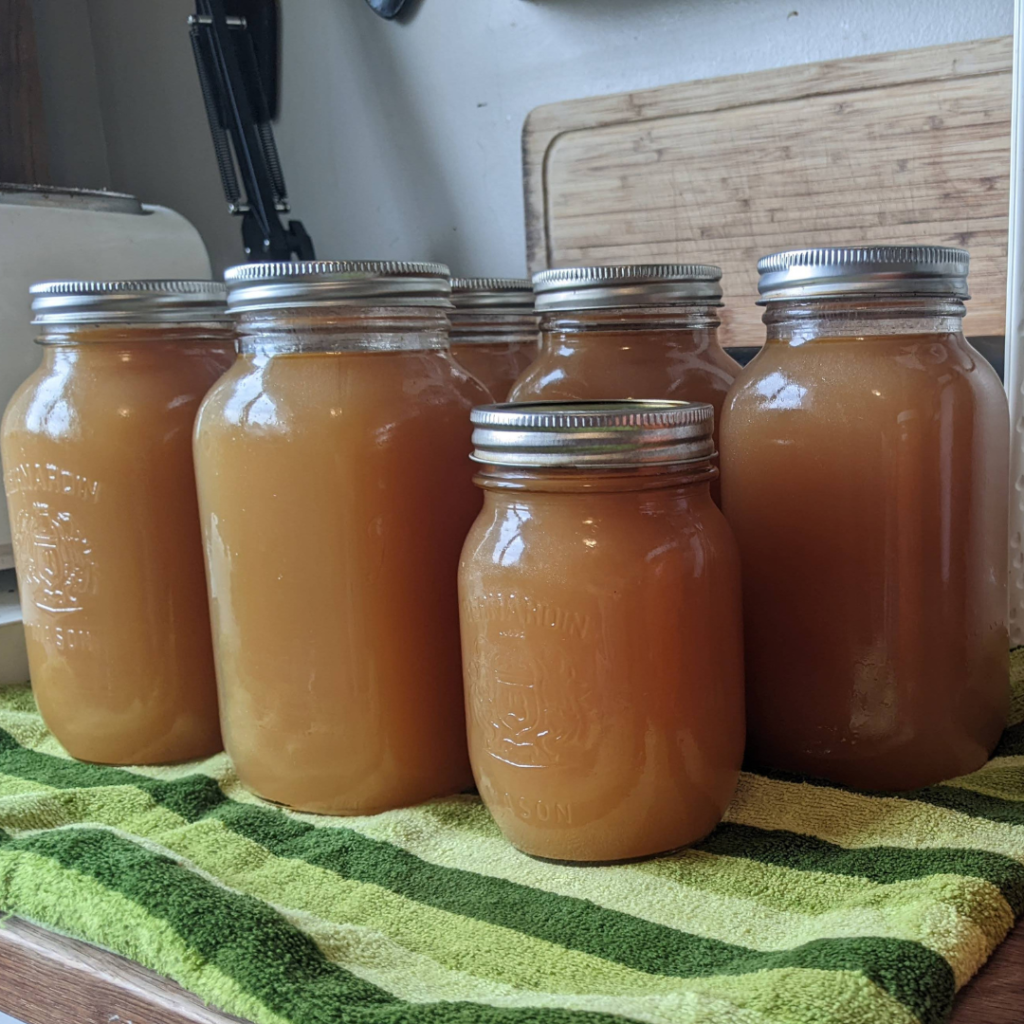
859,270
645,284
268,286
142,301
495,293
597,435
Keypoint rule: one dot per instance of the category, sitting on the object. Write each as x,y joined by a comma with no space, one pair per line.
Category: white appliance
49,234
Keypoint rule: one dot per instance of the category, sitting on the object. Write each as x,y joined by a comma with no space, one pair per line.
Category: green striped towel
810,903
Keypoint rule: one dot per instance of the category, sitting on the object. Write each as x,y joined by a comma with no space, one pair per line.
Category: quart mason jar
335,494
648,331
601,633
493,329
865,475
97,454
644,331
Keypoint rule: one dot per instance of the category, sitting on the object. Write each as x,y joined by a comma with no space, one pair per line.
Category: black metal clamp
237,106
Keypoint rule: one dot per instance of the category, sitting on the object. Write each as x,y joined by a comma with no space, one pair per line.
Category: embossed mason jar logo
57,563
533,705
55,559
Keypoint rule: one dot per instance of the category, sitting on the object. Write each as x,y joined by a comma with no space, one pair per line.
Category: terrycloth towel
809,904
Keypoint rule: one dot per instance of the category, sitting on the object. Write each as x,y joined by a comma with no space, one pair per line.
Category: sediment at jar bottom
335,491
101,489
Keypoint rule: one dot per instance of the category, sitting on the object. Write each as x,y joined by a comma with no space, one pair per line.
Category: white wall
403,139
71,98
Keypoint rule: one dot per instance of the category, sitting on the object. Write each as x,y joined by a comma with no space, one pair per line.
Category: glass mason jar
335,495
645,331
493,329
602,645
865,454
97,453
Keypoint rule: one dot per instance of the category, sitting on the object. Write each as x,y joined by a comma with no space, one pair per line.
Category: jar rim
639,284
492,294
859,270
599,435
143,301
279,286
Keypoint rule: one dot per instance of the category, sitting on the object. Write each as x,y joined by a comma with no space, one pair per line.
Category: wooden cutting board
900,147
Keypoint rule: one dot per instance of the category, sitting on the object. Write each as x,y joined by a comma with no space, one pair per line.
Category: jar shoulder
697,377
561,537
304,388
881,375
15,415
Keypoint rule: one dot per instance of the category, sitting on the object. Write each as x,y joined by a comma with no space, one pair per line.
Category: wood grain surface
996,994
891,148
49,979
23,156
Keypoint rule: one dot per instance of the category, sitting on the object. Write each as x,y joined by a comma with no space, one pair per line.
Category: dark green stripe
950,798
1012,743
883,864
916,976
254,945
977,805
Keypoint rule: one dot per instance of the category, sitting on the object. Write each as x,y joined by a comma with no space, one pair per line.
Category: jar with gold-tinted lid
97,454
602,649
335,493
865,475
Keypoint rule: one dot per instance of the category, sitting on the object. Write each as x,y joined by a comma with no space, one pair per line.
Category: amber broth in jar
865,476
495,364
645,354
602,654
493,330
647,331
643,332
98,471
335,494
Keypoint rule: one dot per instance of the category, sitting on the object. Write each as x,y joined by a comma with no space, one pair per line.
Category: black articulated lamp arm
235,94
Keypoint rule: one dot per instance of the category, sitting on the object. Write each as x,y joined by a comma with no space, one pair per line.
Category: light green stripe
16,789
799,995
460,944
72,903
851,820
1016,686
1002,777
962,919
448,949
698,1001
417,978
216,769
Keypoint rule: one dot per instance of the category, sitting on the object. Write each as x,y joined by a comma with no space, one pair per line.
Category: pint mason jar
601,629
335,493
493,329
865,475
97,455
